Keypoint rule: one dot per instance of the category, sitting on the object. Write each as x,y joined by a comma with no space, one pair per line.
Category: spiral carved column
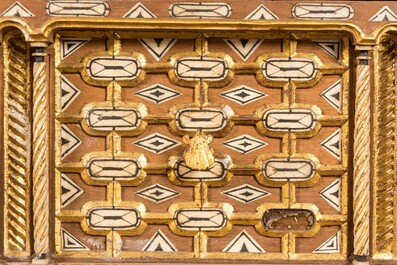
361,148
17,146
40,158
386,144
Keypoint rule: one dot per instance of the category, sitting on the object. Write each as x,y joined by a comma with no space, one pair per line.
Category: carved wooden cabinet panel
260,132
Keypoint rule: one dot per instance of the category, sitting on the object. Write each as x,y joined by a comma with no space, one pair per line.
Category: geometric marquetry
243,47
159,242
384,14
246,193
333,95
331,245
157,47
71,243
243,242
332,47
331,194
198,131
17,10
332,144
195,10
244,144
243,94
322,11
139,11
70,45
157,193
261,12
158,93
167,185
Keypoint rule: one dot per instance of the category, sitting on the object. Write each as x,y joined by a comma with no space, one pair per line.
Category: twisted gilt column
17,146
40,157
361,149
386,143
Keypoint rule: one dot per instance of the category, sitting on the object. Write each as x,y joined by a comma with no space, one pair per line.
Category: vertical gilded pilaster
40,156
361,149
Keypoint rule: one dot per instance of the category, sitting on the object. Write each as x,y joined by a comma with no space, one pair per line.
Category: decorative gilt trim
17,150
361,149
385,169
40,157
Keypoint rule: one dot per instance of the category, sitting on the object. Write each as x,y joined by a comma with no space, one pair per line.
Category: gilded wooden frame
373,41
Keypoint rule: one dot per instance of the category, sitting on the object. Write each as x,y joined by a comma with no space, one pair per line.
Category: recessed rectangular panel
205,119
299,69
322,11
113,68
294,120
200,10
102,168
201,68
78,8
216,172
200,219
108,119
109,218
288,169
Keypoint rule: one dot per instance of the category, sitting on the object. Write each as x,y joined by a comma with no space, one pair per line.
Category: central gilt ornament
199,155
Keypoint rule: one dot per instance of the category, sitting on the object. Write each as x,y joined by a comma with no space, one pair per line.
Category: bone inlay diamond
157,143
244,144
243,95
157,193
246,193
158,93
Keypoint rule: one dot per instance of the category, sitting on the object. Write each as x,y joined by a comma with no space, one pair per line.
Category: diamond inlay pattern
275,111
